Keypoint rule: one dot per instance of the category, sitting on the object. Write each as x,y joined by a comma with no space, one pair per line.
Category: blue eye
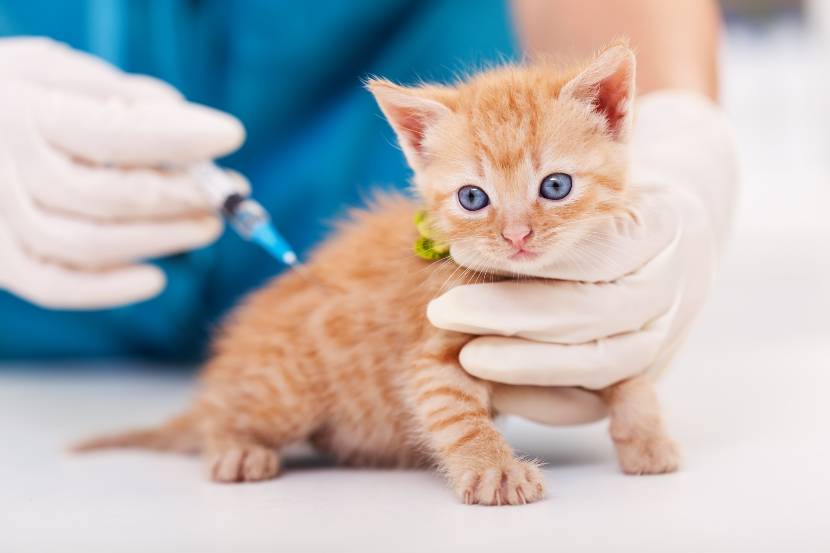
472,198
556,186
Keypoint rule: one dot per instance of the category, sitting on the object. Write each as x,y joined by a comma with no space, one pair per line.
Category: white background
747,399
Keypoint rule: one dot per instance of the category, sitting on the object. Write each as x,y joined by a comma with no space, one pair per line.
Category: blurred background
746,396
776,79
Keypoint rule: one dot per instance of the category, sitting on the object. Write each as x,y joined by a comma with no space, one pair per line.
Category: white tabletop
747,399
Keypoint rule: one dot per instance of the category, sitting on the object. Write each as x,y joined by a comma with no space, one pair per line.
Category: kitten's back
327,356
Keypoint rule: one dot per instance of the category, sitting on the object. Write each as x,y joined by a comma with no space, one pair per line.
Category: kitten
512,166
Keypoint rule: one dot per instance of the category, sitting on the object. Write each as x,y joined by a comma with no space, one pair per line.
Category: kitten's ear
411,112
608,85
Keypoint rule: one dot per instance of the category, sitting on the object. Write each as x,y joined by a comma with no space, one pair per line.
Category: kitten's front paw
244,464
650,456
514,482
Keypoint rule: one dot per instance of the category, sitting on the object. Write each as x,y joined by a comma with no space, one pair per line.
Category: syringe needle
307,275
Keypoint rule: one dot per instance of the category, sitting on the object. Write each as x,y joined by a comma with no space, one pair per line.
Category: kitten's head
517,163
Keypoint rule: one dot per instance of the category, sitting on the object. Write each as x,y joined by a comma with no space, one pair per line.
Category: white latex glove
82,198
624,301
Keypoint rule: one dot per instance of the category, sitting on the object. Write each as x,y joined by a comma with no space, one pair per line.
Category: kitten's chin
523,263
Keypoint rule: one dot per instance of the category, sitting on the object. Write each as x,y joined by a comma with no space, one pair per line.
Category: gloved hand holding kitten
628,293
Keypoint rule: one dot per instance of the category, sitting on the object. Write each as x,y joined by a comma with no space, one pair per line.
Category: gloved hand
91,178
625,298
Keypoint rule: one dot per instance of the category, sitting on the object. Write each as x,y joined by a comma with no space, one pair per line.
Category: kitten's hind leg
637,429
242,439
452,410
241,461
250,413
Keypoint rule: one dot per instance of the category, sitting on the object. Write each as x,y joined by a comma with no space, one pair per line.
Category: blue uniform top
292,72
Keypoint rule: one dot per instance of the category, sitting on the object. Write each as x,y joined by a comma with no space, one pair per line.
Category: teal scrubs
292,71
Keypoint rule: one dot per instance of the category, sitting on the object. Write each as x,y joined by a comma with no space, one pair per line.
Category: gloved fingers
55,65
109,193
594,365
59,287
148,134
551,405
562,312
89,244
98,245
55,287
134,87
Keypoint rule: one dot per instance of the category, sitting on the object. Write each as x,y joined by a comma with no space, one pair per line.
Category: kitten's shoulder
369,239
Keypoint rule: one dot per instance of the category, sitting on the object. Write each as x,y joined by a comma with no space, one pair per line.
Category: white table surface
747,399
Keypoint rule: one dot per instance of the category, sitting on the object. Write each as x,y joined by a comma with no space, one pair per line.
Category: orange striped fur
353,366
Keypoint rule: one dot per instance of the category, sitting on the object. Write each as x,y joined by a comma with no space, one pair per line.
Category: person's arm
676,41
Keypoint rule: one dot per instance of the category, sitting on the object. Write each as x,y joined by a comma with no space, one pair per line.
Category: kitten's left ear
608,85
412,112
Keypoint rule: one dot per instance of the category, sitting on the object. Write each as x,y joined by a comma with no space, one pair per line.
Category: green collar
425,246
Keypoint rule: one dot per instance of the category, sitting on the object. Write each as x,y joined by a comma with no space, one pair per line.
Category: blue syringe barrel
250,220
267,236
245,215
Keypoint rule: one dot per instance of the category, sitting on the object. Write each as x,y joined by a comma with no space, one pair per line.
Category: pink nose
517,235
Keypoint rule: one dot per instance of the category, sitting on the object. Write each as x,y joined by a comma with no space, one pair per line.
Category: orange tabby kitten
512,166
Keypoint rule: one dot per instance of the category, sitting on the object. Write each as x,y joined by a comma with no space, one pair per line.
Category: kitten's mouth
523,255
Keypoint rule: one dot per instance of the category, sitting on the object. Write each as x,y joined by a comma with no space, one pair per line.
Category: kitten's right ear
607,84
411,112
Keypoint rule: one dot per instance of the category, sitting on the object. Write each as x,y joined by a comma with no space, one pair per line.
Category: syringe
247,217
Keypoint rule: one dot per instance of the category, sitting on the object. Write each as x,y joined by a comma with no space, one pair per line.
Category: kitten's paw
248,463
652,456
514,482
